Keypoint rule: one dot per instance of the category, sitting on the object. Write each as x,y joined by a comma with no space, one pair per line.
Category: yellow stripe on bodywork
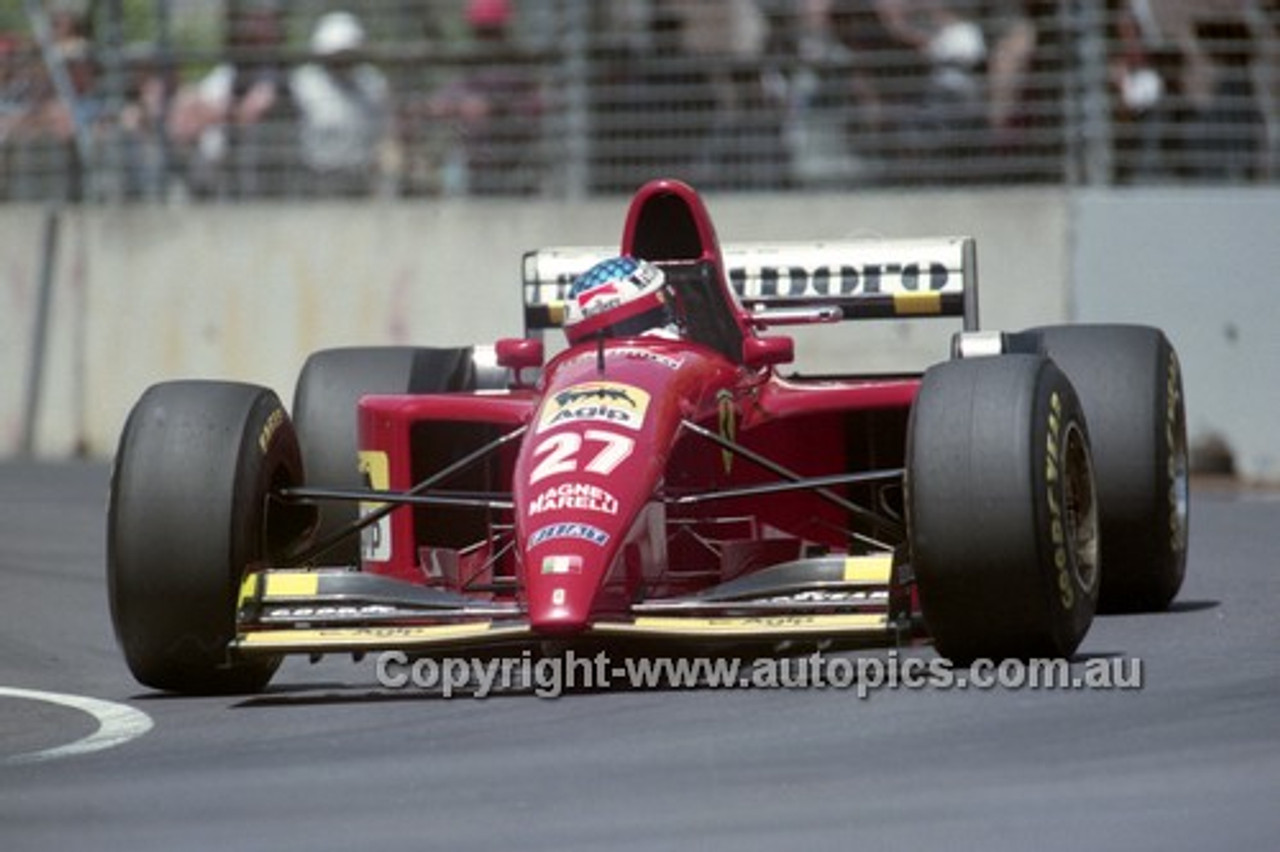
291,584
872,570
917,303
767,625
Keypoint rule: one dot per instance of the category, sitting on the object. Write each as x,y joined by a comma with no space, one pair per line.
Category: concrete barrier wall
246,292
1205,267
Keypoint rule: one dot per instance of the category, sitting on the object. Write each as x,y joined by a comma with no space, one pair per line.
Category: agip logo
602,402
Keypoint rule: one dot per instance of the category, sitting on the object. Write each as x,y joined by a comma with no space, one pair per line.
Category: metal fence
164,99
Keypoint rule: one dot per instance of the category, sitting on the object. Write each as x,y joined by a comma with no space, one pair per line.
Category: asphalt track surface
326,759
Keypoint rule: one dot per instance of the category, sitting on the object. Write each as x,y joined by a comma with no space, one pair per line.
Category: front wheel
188,517
1001,511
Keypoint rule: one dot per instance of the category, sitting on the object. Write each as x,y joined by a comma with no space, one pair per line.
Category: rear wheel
1001,512
1130,385
325,415
188,518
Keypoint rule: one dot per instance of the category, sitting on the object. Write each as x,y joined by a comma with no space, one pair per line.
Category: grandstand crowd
262,99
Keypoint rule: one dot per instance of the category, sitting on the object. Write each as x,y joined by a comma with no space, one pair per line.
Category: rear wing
862,279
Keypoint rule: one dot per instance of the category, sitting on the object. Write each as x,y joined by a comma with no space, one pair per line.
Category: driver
620,297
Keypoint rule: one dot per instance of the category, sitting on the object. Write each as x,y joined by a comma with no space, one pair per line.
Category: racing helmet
619,297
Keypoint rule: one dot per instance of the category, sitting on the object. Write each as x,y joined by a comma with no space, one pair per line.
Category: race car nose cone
561,586
555,610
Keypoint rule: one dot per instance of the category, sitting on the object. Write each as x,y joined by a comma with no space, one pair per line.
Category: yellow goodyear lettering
269,429
1053,452
1057,533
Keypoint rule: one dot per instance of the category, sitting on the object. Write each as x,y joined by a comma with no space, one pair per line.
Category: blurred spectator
946,106
1195,96
834,111
682,87
726,39
151,85
733,33
1145,82
492,113
235,123
885,76
73,43
17,82
1039,121
1229,139
946,37
1011,32
15,99
731,94
917,75
643,97
51,127
344,107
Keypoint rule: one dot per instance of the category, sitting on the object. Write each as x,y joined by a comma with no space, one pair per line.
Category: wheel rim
1081,508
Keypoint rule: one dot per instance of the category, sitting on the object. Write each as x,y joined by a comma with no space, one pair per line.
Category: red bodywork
595,523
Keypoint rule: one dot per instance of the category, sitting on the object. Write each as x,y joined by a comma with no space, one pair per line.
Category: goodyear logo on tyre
603,402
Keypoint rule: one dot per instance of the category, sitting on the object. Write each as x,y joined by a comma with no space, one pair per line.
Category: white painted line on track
117,724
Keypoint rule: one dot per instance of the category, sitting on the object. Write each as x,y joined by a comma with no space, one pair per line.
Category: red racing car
660,480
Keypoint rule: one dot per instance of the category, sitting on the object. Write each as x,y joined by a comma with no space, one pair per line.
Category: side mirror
519,353
760,352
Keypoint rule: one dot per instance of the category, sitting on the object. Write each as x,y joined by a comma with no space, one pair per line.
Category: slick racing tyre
1001,512
324,414
188,517
1129,382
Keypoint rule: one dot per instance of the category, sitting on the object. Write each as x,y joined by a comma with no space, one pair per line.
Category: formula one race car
659,480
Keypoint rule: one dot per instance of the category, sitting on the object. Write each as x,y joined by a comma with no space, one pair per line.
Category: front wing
850,600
